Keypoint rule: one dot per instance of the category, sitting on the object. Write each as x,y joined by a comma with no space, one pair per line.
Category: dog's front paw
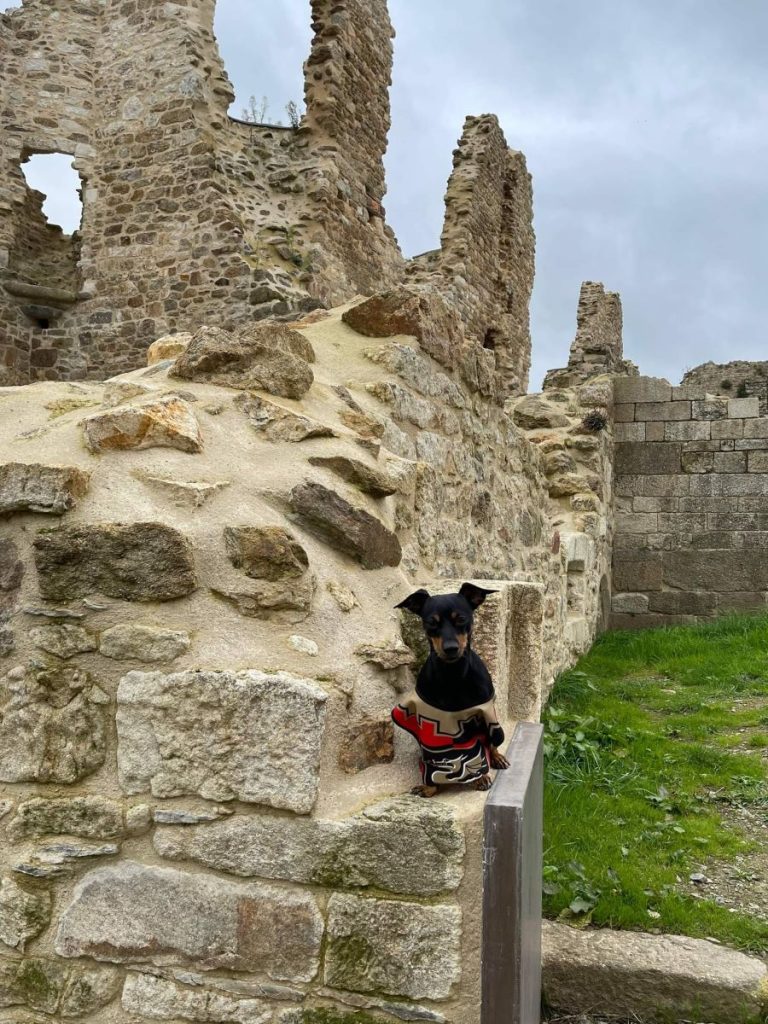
498,760
483,783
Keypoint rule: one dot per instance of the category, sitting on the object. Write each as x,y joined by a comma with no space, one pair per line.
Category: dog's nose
451,649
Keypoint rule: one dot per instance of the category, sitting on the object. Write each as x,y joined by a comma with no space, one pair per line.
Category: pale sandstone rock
64,640
369,479
222,735
266,357
163,999
184,493
342,595
367,426
351,529
398,948
388,655
32,487
630,973
52,726
402,845
169,422
90,817
138,562
131,913
280,336
23,914
423,314
277,423
265,552
143,643
533,411
116,392
303,645
170,346
283,601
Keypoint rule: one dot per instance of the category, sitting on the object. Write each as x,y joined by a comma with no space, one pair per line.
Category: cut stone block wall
691,486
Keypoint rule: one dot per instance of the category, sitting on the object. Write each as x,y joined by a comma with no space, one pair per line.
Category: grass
645,739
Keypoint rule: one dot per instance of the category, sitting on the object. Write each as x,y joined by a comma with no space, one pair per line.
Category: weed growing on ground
645,740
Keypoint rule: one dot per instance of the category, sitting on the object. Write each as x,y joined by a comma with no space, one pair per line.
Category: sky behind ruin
643,126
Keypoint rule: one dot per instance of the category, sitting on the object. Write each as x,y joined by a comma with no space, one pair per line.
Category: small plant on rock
595,421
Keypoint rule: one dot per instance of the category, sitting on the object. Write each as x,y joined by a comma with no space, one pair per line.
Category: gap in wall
54,176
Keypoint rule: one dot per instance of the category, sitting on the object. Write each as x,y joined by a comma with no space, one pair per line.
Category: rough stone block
137,562
598,971
131,913
715,571
398,845
637,573
681,602
698,462
265,552
709,409
276,423
749,601
647,458
398,948
137,642
170,346
636,522
756,428
624,413
757,462
89,817
629,603
695,430
169,422
368,479
732,462
31,487
743,408
727,429
24,914
681,522
641,389
64,640
222,735
163,999
663,411
642,504
628,432
654,430
367,741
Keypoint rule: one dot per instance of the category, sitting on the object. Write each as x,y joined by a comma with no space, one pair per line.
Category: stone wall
738,379
691,489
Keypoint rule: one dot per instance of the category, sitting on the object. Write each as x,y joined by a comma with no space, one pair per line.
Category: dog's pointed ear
415,601
475,595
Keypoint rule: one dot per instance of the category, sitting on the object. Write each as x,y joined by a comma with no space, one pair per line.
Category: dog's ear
475,595
415,601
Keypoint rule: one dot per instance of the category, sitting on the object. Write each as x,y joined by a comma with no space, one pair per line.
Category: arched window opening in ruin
268,80
44,256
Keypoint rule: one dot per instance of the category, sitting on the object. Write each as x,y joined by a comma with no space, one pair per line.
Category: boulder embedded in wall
166,423
135,562
391,654
23,914
163,999
131,913
222,735
134,641
403,845
278,336
424,315
283,601
32,487
52,726
64,640
532,411
266,358
401,949
367,741
277,423
184,493
344,526
265,552
89,817
49,986
170,346
368,479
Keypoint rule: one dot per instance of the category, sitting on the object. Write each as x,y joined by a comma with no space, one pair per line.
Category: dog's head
447,618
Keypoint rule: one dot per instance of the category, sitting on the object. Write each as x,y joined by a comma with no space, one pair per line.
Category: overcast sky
644,125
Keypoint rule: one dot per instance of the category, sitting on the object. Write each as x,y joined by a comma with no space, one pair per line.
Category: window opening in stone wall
268,79
43,262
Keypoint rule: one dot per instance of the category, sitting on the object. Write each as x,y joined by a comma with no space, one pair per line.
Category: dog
451,713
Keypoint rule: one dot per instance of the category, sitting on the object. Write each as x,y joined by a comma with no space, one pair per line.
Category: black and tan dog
451,712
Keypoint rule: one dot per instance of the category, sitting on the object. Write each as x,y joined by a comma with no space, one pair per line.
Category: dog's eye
432,624
460,623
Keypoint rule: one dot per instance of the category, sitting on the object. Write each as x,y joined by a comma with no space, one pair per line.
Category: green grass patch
642,748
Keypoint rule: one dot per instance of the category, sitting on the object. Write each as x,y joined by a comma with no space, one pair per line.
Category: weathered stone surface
168,422
53,987
163,999
136,562
533,411
362,423
116,392
421,314
223,735
367,741
303,645
401,845
630,603
52,726
265,552
369,479
743,408
90,817
131,913
284,600
387,655
32,487
23,914
184,493
170,346
175,816
134,641
642,389
11,567
351,529
342,595
64,640
277,423
630,973
397,948
72,852
267,357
